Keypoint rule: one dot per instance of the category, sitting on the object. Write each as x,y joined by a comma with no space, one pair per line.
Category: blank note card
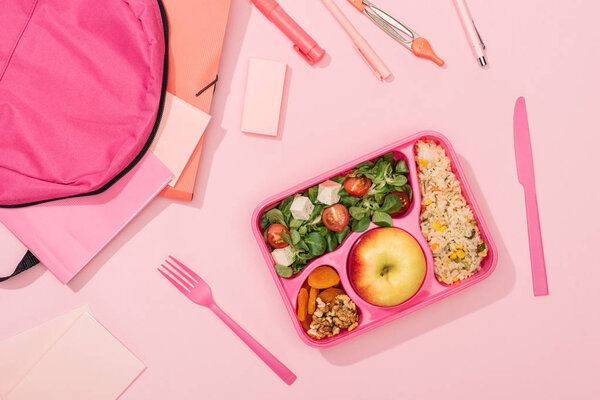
181,127
86,363
264,92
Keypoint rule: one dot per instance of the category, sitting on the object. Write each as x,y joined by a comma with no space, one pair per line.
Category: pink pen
471,31
303,43
364,49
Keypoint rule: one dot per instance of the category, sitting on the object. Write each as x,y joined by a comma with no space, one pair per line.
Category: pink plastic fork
198,291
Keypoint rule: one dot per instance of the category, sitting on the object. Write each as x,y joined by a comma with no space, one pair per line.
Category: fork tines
183,279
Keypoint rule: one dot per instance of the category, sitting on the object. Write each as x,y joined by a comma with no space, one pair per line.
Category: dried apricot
312,300
302,304
329,294
323,277
306,323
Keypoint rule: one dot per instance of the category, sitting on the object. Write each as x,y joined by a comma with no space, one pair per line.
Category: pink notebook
66,234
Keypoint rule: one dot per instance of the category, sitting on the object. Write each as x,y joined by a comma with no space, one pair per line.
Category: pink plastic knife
526,176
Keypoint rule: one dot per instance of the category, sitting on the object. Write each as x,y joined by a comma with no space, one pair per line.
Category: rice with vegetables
446,220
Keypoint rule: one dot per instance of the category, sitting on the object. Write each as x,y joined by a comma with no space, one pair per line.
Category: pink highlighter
305,45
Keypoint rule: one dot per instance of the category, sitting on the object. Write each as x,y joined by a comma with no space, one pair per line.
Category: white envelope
71,357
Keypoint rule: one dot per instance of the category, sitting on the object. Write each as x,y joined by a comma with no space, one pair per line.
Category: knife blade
526,176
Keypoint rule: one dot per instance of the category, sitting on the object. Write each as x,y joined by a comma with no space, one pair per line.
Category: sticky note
178,134
264,93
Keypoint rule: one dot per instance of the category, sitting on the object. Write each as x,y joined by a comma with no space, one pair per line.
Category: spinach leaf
332,242
364,166
284,271
275,216
401,167
302,245
357,212
285,208
391,204
338,179
295,236
389,157
379,197
347,199
315,216
382,219
316,243
286,237
398,180
264,221
340,236
361,225
296,223
313,192
323,231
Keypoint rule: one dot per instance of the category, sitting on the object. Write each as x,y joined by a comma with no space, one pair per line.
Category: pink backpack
82,85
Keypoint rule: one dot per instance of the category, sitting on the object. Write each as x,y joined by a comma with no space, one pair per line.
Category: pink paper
66,234
87,362
264,92
179,132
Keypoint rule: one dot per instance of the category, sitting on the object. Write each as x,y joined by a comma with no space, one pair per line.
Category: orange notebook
196,33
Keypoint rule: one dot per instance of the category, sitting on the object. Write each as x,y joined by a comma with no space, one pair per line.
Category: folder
196,34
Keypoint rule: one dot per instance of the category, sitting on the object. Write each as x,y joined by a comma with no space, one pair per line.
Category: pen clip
478,35
304,55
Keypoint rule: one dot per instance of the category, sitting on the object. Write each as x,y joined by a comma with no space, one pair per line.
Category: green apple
386,266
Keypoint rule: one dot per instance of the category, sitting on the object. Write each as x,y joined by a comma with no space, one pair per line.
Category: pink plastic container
431,290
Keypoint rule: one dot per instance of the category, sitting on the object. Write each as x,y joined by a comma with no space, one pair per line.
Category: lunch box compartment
431,290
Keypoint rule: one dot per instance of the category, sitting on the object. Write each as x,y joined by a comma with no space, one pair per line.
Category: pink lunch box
431,290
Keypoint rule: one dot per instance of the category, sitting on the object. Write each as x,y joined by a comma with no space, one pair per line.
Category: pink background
492,341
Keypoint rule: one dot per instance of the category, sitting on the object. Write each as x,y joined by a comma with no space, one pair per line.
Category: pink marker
471,31
303,43
364,49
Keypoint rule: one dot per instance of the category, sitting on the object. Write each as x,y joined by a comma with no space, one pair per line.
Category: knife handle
536,248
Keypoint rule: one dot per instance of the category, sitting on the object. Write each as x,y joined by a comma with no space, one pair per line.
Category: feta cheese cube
283,256
329,192
301,208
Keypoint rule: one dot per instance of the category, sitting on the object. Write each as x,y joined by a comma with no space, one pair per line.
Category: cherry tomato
357,186
274,236
405,203
336,217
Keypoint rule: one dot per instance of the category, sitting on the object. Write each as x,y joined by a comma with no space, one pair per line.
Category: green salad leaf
361,225
310,238
275,216
382,219
316,243
391,204
401,167
284,271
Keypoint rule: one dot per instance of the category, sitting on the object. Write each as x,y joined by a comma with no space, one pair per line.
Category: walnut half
329,318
